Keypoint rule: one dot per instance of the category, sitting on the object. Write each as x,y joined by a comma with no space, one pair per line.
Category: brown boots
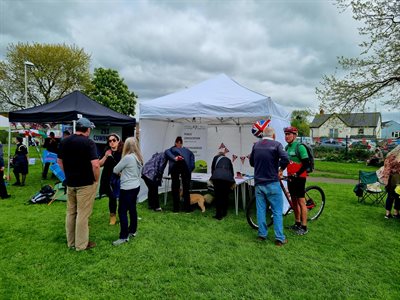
113,219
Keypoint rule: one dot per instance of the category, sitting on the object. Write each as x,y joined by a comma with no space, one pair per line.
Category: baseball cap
291,129
85,123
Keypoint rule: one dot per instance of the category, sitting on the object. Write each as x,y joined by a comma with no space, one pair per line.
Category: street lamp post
27,64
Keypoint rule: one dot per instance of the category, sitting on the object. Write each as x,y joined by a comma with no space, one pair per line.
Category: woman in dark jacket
181,165
152,174
108,161
20,162
222,176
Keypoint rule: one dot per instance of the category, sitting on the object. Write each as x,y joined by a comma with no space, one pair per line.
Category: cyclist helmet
291,129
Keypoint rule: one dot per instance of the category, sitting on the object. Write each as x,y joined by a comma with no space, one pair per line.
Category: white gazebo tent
226,108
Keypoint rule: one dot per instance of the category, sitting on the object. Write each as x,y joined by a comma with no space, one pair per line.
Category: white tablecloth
241,183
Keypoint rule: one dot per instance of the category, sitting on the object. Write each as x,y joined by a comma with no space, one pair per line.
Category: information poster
99,134
195,139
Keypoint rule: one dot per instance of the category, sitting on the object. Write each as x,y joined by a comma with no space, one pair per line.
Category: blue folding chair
56,169
59,187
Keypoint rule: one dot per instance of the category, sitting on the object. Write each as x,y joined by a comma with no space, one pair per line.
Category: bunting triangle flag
234,157
222,146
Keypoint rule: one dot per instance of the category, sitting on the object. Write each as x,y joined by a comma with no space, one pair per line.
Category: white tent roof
219,100
3,121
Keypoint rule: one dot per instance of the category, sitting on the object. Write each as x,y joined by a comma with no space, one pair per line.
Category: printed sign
99,134
195,139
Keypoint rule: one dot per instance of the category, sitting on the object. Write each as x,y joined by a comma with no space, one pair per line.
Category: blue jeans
273,192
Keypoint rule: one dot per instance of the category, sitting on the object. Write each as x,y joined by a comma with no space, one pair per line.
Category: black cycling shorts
297,187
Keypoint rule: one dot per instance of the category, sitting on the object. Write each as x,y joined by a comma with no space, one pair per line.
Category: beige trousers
79,208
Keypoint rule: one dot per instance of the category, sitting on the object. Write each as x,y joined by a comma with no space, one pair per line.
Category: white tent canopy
223,106
219,100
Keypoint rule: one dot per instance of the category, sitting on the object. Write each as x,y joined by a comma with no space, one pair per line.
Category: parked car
367,145
332,144
389,147
305,139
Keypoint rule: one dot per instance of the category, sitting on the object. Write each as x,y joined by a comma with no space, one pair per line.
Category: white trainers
120,242
131,235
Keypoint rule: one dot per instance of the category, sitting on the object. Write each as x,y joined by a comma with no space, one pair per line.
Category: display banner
99,134
195,139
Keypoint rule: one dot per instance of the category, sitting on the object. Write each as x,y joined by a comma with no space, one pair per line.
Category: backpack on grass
43,196
310,153
359,189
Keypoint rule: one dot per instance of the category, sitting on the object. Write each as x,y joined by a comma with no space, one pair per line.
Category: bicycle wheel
251,214
315,201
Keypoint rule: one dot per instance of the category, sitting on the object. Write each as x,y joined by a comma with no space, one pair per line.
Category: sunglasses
112,141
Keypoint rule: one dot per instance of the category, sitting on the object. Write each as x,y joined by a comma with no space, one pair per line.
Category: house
355,125
390,130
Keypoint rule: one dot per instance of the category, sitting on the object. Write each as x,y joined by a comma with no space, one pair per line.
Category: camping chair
60,192
59,188
372,189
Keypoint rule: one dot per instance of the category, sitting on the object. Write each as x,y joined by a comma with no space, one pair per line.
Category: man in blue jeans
269,160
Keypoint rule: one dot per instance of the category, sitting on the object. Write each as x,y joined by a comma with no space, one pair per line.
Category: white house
356,125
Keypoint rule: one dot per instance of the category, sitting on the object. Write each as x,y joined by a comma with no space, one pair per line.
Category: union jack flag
258,127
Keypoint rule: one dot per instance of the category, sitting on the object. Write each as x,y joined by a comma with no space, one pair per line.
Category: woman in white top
129,169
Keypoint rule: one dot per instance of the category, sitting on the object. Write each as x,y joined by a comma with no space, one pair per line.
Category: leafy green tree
111,91
299,120
58,70
375,74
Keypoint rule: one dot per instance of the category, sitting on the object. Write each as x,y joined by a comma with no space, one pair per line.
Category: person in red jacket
297,179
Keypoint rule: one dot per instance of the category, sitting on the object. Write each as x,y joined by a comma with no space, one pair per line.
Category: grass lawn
350,252
339,170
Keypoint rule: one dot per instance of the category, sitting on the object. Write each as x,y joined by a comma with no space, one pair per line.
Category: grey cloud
278,48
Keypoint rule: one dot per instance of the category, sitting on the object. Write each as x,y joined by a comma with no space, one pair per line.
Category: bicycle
315,201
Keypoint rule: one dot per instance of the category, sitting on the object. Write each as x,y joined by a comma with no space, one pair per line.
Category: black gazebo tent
68,108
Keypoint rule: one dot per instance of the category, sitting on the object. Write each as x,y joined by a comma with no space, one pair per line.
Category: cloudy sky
279,48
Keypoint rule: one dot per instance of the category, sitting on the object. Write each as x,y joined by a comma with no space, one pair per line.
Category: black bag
310,152
43,196
359,189
13,161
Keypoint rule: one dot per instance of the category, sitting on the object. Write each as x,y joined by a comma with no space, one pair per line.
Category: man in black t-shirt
78,158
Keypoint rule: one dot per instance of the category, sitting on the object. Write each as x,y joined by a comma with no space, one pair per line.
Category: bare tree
375,74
